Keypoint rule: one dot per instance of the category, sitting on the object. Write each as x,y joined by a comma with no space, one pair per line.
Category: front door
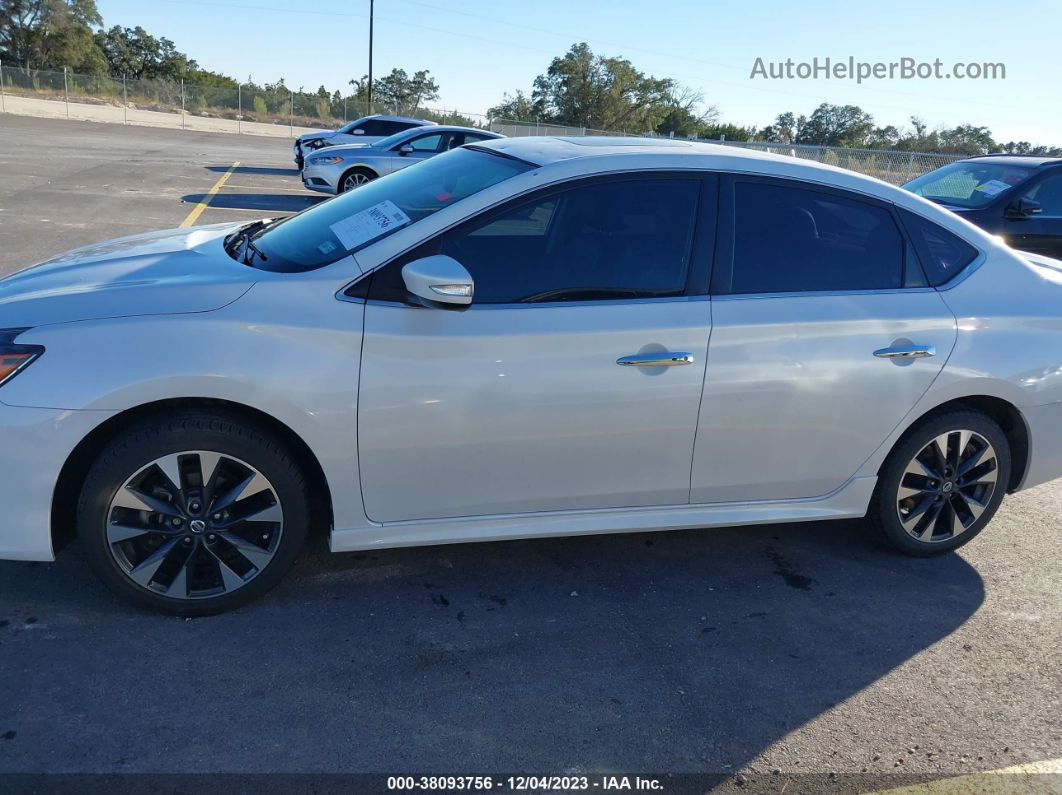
1040,233
823,339
520,404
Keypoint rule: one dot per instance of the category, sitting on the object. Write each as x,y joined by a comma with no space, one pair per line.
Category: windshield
969,184
329,231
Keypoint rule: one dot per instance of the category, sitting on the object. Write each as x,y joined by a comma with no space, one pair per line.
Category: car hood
314,136
170,272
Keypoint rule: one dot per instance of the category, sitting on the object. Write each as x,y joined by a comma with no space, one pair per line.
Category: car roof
1036,161
406,119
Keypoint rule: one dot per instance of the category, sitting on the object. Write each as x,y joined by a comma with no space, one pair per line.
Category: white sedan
523,338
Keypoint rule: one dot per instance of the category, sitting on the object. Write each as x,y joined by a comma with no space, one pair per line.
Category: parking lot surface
775,651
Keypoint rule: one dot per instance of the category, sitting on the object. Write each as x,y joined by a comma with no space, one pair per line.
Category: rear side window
942,253
792,239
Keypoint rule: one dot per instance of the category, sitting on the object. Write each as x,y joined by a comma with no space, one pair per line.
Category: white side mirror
439,281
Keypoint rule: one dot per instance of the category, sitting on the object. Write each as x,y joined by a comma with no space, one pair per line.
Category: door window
791,239
426,143
942,253
609,240
1048,192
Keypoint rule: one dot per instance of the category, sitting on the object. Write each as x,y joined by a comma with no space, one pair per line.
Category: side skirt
848,502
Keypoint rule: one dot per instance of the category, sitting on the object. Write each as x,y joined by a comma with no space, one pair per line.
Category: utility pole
66,93
371,2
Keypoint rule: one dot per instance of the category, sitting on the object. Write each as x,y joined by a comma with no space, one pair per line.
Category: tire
355,178
221,538
948,497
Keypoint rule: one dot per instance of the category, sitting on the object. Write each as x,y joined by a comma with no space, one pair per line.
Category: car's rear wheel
942,483
195,514
355,178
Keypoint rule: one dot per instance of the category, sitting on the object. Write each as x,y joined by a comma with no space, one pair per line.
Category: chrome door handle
906,352
666,359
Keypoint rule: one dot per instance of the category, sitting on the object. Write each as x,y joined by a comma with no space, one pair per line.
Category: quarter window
942,253
790,239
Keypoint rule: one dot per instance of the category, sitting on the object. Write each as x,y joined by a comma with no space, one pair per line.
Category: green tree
515,107
135,53
401,93
42,34
836,125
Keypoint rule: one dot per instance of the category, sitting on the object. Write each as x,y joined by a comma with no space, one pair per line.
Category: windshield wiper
242,237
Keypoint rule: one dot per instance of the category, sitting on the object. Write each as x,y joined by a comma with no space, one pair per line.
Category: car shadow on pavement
273,171
677,651
270,202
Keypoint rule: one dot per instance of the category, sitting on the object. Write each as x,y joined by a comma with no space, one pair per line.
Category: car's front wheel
355,178
942,483
193,514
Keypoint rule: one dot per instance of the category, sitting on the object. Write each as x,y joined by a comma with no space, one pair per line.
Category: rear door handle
906,352
666,359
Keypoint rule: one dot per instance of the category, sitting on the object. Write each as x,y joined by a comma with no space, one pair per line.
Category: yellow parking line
198,209
1032,778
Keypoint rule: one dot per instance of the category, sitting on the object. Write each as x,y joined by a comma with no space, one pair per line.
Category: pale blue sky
478,51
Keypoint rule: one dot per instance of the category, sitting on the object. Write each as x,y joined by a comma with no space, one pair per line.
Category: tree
586,90
836,125
515,107
783,131
966,139
404,94
41,34
135,53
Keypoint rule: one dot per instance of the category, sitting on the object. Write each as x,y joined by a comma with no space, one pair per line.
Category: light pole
371,3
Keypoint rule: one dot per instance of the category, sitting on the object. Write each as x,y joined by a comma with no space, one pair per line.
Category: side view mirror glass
1022,208
405,149
439,282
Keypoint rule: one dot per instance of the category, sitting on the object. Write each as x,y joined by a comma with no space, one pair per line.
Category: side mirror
1022,208
405,149
439,282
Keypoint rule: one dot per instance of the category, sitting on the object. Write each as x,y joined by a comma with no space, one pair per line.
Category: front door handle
666,359
906,352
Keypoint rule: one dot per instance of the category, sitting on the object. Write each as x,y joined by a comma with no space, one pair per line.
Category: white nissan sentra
526,337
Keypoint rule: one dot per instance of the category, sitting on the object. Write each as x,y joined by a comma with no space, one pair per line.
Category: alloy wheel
355,180
193,525
947,486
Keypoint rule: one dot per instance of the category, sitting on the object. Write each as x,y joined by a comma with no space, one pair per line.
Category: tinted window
426,143
968,183
943,254
790,239
330,230
380,127
1049,193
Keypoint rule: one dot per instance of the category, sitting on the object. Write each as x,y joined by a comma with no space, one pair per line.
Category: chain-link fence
889,165
194,105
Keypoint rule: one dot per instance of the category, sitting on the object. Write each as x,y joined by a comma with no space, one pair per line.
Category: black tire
236,439
364,173
885,507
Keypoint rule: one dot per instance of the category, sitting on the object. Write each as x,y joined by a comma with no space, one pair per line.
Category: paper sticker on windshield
363,227
992,187
327,247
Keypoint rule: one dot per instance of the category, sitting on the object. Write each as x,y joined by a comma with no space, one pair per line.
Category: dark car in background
1018,197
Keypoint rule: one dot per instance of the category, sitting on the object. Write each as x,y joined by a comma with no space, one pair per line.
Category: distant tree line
578,89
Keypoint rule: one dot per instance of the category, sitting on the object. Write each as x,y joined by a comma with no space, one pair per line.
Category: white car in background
366,130
525,337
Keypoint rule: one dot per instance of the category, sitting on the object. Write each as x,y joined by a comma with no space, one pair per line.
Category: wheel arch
359,167
1003,413
76,467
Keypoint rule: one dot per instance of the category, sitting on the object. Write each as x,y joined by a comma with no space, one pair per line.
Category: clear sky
478,51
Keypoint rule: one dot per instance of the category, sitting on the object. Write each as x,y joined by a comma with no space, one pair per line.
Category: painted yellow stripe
1031,779
198,209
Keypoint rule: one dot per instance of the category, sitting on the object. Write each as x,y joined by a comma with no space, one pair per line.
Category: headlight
324,160
15,358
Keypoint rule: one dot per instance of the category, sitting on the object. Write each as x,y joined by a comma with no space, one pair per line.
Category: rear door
813,291
574,379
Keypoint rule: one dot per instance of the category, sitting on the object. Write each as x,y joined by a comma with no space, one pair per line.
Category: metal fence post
66,93
344,110
239,107
3,100
125,101
182,103
291,114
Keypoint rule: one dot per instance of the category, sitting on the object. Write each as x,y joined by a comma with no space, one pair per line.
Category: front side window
602,241
1048,192
329,231
970,184
791,239
426,143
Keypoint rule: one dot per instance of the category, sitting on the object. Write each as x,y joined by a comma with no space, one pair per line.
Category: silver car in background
366,130
342,168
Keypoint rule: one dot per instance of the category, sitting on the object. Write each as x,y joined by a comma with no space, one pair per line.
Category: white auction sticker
368,225
993,186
